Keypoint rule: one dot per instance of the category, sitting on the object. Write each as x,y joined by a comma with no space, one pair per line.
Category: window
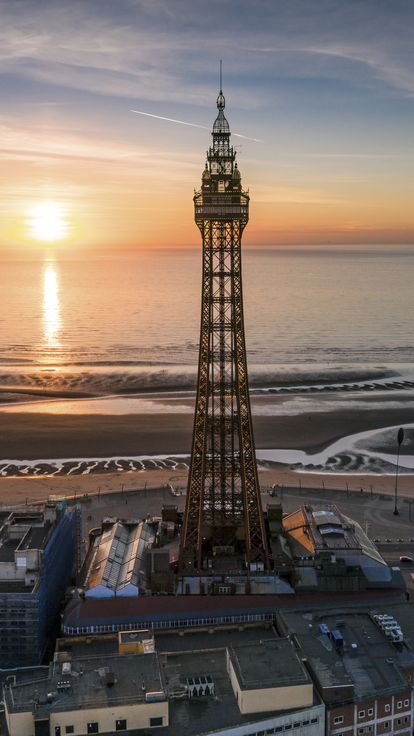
338,719
387,708
370,711
288,727
361,714
296,725
305,723
314,720
156,721
406,703
398,721
278,729
399,704
121,724
93,727
386,725
69,729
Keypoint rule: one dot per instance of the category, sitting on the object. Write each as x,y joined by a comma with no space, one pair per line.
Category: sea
118,333
129,321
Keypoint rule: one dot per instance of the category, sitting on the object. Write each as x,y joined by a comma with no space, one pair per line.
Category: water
131,320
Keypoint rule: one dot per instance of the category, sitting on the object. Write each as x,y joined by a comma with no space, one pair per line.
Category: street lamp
400,440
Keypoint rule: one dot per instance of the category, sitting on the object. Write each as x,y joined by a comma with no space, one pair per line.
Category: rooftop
267,665
179,658
89,681
117,555
366,661
312,529
22,531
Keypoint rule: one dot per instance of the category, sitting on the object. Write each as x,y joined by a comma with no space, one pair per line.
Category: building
114,563
332,552
363,678
89,694
188,684
268,676
37,555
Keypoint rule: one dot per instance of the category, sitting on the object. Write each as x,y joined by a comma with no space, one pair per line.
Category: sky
327,86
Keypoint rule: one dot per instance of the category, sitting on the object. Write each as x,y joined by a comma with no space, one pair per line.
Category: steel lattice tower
223,514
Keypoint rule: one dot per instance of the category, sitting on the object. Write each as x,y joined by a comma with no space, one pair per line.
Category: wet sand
30,436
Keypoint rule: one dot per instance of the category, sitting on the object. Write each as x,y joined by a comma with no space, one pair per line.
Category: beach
76,453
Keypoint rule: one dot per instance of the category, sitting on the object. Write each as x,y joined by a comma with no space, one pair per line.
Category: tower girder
223,505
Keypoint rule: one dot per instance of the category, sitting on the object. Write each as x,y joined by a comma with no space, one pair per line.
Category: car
388,540
406,560
400,540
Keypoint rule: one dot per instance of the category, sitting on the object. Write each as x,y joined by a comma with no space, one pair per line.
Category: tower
223,524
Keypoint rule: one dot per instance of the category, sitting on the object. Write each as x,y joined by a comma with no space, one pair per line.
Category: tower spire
221,102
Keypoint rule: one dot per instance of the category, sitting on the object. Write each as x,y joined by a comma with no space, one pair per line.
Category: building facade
37,556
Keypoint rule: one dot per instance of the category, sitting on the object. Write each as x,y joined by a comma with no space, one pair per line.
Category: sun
48,222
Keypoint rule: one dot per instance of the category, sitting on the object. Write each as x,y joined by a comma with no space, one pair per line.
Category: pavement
394,535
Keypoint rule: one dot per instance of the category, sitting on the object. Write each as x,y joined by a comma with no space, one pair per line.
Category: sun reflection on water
51,306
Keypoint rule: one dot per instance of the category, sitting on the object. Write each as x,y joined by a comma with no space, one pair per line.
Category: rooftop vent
200,686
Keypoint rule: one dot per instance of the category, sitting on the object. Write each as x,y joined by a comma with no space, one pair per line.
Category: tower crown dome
221,124
221,102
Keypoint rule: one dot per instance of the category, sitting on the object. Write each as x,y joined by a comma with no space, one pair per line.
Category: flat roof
203,653
179,658
37,537
8,548
267,664
94,681
29,537
215,638
368,661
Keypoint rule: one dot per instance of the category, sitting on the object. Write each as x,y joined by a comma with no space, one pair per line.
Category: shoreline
91,379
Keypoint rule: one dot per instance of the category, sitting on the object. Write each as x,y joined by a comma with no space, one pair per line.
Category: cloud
158,51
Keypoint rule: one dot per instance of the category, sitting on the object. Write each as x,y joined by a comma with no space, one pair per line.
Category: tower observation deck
223,526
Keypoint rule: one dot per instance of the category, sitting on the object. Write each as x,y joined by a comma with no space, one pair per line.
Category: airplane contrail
192,125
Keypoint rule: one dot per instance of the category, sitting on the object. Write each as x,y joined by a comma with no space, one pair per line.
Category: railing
171,623
221,211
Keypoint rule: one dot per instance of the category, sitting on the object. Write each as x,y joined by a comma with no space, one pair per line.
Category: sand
25,436
30,436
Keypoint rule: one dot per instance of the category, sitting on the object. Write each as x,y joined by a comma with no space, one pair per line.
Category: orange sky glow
334,158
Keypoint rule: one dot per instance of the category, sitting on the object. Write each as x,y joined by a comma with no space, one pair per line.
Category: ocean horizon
129,322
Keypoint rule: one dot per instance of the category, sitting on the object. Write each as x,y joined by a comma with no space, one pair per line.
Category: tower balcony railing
221,206
211,212
222,199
